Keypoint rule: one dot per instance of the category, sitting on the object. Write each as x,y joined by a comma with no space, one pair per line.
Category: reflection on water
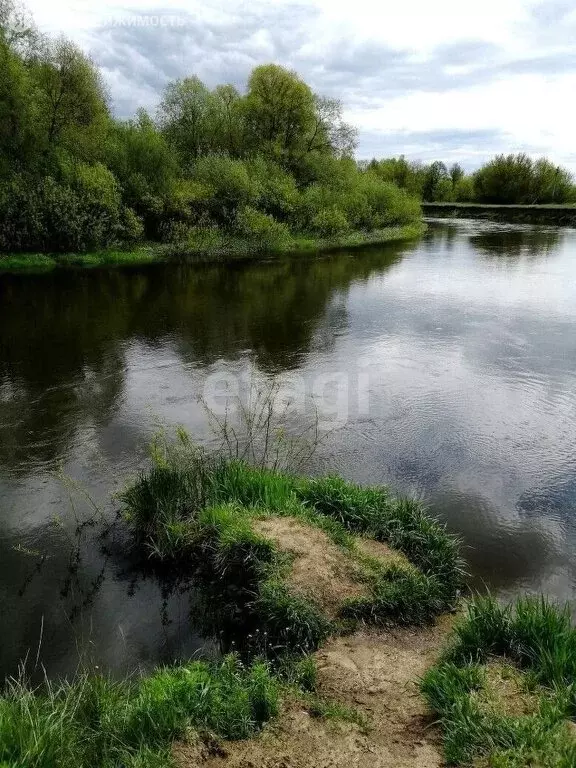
466,338
530,243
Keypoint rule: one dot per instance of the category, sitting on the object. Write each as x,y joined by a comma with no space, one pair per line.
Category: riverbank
555,215
207,249
339,602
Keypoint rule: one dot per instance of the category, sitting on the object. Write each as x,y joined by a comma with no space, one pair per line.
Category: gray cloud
138,60
434,145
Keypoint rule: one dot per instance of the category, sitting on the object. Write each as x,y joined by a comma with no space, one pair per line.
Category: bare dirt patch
377,674
321,571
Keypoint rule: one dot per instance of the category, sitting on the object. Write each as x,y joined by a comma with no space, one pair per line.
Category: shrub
228,185
131,227
278,194
329,222
517,179
46,215
262,230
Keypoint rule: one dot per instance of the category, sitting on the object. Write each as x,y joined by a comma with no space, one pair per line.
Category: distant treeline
264,165
505,180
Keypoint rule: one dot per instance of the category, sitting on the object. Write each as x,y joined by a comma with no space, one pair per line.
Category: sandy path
377,674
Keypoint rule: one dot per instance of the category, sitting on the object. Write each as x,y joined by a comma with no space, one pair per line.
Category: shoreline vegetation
213,172
208,249
339,617
552,214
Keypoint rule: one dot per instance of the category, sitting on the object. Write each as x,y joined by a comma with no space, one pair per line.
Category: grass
104,724
219,249
538,640
195,511
39,262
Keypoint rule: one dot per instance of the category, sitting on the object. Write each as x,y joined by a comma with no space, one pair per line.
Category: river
444,367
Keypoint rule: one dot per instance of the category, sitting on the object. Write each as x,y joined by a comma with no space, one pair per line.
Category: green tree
227,118
70,101
185,115
434,187
280,111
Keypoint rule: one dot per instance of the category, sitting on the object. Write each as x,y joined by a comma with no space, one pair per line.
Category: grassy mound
223,520
505,689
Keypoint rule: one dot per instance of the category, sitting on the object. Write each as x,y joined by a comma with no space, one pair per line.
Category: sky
456,80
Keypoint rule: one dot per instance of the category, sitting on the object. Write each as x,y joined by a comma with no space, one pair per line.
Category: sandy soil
321,571
374,672
377,674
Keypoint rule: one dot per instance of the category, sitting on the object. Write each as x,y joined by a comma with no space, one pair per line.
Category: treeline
505,180
262,165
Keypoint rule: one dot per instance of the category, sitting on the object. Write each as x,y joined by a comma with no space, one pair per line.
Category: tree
228,120
280,111
329,132
14,107
456,174
71,102
184,117
434,187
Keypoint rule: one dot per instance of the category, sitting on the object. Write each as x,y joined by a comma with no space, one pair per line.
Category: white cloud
501,70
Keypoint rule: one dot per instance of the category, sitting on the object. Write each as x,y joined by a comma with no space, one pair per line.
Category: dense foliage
209,165
504,180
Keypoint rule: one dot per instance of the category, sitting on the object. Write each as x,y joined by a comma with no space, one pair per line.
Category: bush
131,228
278,194
464,190
228,185
517,179
262,230
330,222
48,216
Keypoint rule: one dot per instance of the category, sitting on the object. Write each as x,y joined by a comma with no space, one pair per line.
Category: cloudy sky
453,79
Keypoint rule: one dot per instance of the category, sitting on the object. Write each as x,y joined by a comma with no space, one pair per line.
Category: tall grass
97,723
540,639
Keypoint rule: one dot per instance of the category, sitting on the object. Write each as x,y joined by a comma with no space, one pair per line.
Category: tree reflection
517,244
63,336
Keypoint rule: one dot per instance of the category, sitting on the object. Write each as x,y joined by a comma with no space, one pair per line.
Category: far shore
227,250
556,215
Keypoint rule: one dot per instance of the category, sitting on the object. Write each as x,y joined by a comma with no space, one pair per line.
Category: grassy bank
238,526
100,723
557,215
504,690
312,579
285,562
206,249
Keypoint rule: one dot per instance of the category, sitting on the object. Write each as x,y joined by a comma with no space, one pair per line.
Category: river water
444,367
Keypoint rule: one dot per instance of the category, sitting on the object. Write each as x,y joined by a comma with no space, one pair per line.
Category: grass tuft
97,722
194,510
539,639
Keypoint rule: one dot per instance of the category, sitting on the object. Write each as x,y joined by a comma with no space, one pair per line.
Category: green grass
195,511
538,638
219,249
39,262
98,723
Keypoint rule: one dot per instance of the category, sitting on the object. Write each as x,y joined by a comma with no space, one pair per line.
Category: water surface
447,368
